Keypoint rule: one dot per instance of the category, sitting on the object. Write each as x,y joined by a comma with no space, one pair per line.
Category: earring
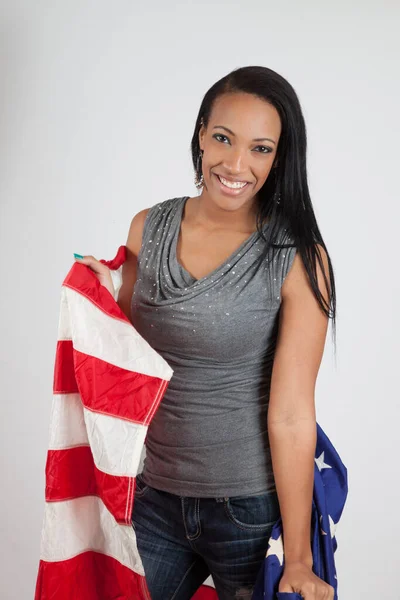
277,193
199,181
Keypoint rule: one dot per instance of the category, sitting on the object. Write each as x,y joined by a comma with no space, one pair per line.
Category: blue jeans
181,540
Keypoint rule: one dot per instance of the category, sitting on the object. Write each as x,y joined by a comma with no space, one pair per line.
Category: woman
234,288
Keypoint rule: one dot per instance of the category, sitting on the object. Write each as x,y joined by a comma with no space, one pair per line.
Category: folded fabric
329,496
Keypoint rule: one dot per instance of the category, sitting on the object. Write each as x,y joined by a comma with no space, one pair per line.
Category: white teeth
232,184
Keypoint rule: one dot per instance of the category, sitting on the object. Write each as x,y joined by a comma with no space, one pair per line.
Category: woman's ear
201,135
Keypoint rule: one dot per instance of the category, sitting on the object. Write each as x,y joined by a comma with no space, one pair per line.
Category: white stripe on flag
64,325
68,427
209,581
75,526
116,444
104,337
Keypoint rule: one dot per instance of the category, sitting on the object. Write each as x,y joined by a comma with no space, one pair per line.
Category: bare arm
129,267
291,415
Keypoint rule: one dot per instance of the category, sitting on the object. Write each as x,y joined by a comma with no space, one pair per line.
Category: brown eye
219,135
266,149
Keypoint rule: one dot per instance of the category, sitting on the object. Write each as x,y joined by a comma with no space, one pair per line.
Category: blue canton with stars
329,497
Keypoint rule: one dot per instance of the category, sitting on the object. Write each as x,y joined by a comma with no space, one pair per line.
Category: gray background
97,108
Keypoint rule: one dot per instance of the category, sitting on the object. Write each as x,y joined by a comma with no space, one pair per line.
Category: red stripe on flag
118,392
205,592
83,576
83,280
88,576
71,473
64,374
118,260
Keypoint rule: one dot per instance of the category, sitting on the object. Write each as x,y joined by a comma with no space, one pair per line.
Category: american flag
108,383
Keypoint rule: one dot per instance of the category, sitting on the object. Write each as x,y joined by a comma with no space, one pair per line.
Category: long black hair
284,199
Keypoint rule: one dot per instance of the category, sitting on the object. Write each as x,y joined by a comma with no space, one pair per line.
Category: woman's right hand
101,271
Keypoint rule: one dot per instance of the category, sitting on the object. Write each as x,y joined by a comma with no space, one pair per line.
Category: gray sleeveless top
209,437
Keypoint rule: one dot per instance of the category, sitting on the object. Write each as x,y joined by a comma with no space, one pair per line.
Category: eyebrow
254,140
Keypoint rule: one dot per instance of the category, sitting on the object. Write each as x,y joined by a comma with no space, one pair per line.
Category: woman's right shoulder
136,228
144,220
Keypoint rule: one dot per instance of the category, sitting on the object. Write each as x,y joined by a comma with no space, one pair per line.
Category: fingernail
77,255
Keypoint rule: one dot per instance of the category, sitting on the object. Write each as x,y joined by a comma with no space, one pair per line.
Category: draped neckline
218,269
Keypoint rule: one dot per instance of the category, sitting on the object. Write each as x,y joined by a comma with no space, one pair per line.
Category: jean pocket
141,487
253,512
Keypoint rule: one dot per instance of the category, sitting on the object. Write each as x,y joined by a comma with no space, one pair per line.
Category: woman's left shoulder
297,284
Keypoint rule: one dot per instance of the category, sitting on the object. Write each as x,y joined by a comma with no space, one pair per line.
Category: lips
230,179
230,191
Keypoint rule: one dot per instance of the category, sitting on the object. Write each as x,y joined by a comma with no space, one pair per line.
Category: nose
236,162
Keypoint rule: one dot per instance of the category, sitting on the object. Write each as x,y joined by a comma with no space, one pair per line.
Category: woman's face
240,145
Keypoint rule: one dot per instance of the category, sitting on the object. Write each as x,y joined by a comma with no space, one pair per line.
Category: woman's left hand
299,577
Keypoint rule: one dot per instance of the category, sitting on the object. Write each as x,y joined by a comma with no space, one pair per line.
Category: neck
229,214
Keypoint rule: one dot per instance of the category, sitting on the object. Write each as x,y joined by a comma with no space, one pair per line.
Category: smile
232,186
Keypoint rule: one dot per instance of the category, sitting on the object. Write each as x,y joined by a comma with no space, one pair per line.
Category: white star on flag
332,527
320,462
276,549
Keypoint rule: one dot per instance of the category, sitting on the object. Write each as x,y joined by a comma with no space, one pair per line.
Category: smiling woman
234,288
238,161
